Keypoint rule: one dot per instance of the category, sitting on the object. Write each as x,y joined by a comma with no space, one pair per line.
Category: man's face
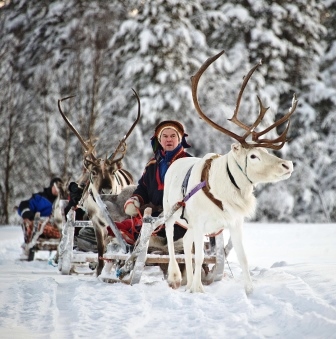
169,139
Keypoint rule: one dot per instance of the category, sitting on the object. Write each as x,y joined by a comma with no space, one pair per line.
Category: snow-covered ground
293,268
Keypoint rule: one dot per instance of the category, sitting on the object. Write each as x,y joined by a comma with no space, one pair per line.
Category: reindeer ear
236,148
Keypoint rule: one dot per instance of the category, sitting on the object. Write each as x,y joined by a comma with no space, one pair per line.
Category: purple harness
194,190
186,197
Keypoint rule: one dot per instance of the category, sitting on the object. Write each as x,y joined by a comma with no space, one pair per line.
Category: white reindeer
227,197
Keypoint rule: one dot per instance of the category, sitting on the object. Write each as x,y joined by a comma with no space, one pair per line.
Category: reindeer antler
121,148
88,146
267,143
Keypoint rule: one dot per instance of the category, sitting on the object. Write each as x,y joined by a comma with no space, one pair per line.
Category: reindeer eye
253,156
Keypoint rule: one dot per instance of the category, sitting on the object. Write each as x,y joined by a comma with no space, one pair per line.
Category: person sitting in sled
40,202
169,144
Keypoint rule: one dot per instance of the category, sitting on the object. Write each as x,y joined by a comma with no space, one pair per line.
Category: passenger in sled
168,144
41,202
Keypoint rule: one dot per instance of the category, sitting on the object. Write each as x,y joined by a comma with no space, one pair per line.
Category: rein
245,173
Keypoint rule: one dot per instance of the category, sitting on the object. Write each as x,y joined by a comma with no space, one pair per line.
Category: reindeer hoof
199,289
174,278
174,284
196,288
248,289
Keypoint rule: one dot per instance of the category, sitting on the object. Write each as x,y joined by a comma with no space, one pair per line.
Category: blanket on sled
86,239
49,231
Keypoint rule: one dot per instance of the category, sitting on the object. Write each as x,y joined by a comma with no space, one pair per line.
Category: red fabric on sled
126,228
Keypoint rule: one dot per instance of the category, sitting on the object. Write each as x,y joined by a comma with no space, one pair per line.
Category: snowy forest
99,50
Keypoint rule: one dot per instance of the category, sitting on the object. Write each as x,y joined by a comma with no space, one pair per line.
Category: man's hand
132,206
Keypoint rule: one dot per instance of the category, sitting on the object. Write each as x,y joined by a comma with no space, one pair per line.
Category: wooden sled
71,261
126,265
127,268
38,243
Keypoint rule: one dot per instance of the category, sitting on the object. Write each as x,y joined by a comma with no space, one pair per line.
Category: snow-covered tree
288,37
100,50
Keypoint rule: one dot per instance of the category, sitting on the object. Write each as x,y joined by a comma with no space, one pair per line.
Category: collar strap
231,176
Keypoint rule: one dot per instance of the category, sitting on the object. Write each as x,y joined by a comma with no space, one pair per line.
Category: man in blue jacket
39,202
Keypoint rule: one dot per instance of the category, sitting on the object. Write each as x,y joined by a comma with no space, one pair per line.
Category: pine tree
99,51
288,37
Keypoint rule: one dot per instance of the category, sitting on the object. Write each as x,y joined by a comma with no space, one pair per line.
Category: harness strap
231,176
117,178
194,190
204,185
184,189
185,181
205,177
215,234
186,197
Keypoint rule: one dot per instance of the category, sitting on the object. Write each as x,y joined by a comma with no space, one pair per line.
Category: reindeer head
249,130
251,159
106,174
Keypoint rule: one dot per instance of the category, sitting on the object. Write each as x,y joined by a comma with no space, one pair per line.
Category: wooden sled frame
37,243
132,265
128,267
68,260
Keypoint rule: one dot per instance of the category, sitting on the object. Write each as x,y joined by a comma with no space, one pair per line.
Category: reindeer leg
228,248
174,273
236,237
188,240
99,231
196,285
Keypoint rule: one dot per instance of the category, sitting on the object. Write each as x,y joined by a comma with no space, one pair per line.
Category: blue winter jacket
39,202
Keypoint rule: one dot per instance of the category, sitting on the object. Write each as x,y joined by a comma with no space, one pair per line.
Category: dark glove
28,215
75,193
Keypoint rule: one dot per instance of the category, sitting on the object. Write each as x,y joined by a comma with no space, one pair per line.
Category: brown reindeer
105,176
228,182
